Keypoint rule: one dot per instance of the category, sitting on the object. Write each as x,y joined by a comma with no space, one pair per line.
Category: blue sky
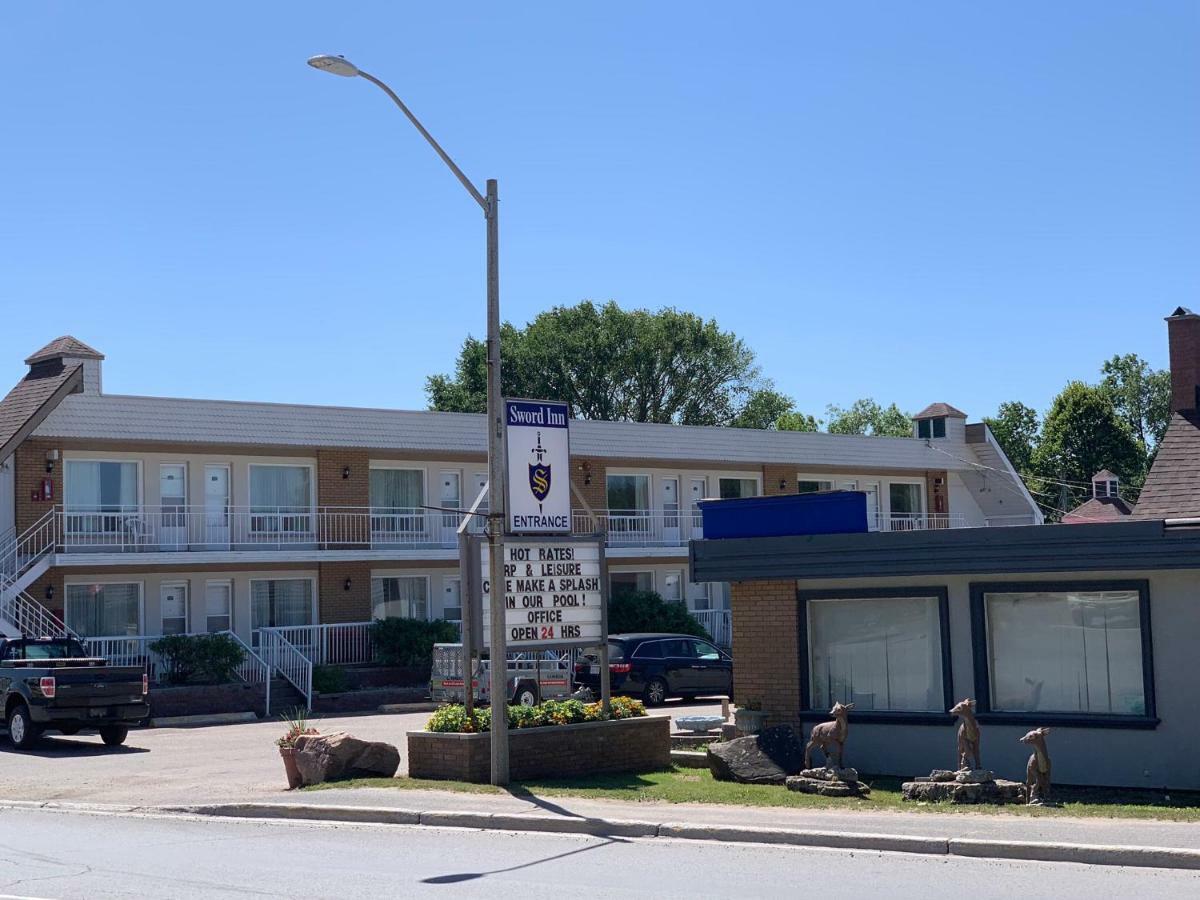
911,201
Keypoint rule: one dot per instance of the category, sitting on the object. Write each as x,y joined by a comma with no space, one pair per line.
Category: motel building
131,517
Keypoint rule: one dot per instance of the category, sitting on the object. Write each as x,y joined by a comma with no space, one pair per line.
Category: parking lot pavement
218,763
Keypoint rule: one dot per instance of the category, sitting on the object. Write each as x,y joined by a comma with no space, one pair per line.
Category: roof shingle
936,410
1172,489
65,346
27,404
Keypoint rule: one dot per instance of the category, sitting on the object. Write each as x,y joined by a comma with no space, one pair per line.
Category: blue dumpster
827,512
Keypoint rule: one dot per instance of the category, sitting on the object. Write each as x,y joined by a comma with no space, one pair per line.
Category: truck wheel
656,692
21,730
114,735
525,696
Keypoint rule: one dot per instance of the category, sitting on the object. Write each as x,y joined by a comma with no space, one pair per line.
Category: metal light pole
338,65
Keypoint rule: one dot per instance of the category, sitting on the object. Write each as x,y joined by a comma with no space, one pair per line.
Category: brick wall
29,470
52,577
937,495
773,474
207,699
332,488
560,751
341,605
766,648
595,493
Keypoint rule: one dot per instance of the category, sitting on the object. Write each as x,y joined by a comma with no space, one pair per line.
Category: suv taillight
48,686
145,684
620,668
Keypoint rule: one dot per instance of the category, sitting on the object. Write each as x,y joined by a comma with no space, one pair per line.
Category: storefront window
1065,651
879,653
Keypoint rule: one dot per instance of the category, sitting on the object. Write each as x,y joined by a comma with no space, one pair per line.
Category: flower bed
559,739
453,719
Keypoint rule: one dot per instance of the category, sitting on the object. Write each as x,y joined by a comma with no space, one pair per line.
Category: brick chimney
1183,335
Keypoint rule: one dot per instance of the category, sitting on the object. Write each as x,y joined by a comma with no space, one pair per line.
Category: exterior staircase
23,559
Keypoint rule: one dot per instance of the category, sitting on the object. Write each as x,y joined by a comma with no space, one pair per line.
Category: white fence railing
915,521
718,623
326,645
30,618
19,552
135,650
640,527
282,656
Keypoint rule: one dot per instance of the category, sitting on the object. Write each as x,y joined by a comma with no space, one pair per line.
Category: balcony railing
718,623
74,529
174,528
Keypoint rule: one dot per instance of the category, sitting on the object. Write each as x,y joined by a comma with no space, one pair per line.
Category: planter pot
289,766
749,721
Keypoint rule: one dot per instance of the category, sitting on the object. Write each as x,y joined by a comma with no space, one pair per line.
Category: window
1069,648
732,488
678,648
812,485
931,428
218,606
628,493
622,583
906,505
402,598
396,497
649,650
880,650
452,600
173,607
100,497
280,499
672,590
280,602
104,610
705,650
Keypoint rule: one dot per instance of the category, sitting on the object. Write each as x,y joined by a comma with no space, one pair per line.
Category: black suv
657,666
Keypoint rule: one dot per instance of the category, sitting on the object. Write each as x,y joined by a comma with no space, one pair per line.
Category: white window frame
650,572
421,515
649,488
378,576
922,492
187,604
224,582
67,585
312,500
136,513
315,594
757,479
823,478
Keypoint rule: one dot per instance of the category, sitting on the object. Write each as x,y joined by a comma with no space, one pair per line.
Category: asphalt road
73,855
192,765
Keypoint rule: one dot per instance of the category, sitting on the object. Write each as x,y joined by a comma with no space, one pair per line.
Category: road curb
928,845
203,719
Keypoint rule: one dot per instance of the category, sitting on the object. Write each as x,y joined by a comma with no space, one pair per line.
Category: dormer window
931,428
1105,484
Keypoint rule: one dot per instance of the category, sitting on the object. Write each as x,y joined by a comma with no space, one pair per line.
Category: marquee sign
539,466
554,593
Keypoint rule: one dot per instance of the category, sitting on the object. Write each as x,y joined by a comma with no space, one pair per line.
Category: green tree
1141,397
865,416
1082,434
763,409
609,363
647,611
1016,429
794,420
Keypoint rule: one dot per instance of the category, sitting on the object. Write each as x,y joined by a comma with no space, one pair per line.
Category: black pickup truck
51,684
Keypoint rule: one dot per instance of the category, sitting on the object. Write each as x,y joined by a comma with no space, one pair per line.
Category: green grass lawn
678,785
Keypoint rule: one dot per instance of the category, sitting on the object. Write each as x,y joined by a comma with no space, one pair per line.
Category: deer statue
968,734
1037,770
828,735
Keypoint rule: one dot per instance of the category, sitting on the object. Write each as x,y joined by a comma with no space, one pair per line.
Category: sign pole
467,590
496,492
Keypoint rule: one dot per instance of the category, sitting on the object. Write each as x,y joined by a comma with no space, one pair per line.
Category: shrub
409,642
646,611
453,718
330,680
205,658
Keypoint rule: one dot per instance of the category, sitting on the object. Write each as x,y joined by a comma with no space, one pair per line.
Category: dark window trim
983,679
915,717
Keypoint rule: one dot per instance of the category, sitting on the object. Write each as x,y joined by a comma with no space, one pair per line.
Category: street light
489,202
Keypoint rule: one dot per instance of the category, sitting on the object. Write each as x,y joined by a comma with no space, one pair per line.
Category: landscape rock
768,757
825,787
831,773
1000,791
329,757
974,776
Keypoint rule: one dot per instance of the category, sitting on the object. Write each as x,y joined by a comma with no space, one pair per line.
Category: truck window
615,652
649,650
26,650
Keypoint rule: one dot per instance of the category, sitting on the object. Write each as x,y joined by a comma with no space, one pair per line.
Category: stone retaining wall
552,751
207,699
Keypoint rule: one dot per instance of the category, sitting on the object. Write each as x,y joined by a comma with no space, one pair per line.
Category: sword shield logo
539,474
